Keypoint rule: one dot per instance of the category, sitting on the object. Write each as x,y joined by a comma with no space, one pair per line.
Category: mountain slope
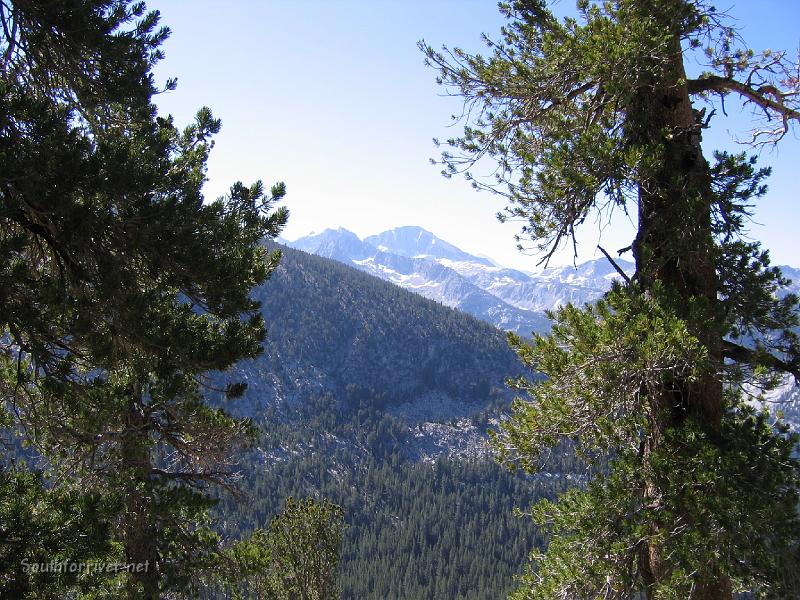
506,298
378,399
336,331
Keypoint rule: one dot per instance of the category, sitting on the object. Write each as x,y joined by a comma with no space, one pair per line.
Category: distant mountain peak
416,259
340,244
413,242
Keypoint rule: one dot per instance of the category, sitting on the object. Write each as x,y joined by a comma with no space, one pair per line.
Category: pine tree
295,558
121,286
699,493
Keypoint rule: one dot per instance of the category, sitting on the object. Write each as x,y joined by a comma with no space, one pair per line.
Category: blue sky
333,98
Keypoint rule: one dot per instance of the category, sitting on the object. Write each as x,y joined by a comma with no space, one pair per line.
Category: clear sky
332,97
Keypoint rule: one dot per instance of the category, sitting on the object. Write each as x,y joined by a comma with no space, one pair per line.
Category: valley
376,389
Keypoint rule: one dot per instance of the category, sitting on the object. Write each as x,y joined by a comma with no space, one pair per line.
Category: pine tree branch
619,270
742,354
767,96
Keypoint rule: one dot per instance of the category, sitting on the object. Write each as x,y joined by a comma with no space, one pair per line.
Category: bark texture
675,247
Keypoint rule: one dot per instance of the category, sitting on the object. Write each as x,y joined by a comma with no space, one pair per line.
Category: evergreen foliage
414,530
40,527
719,495
120,284
594,113
296,557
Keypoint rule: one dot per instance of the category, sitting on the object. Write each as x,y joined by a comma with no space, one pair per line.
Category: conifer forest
194,406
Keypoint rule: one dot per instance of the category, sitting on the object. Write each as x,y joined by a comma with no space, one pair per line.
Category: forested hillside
339,332
416,530
378,399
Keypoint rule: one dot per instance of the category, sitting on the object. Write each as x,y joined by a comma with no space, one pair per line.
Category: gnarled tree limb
776,103
760,95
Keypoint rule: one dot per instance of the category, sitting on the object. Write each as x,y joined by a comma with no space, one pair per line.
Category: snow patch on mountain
416,259
782,402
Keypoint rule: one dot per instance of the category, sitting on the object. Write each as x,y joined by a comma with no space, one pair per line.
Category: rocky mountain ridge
509,299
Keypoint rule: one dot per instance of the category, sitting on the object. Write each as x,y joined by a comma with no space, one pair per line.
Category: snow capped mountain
416,259
512,300
416,242
338,244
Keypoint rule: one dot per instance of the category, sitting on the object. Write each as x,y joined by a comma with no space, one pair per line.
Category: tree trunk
674,247
138,529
